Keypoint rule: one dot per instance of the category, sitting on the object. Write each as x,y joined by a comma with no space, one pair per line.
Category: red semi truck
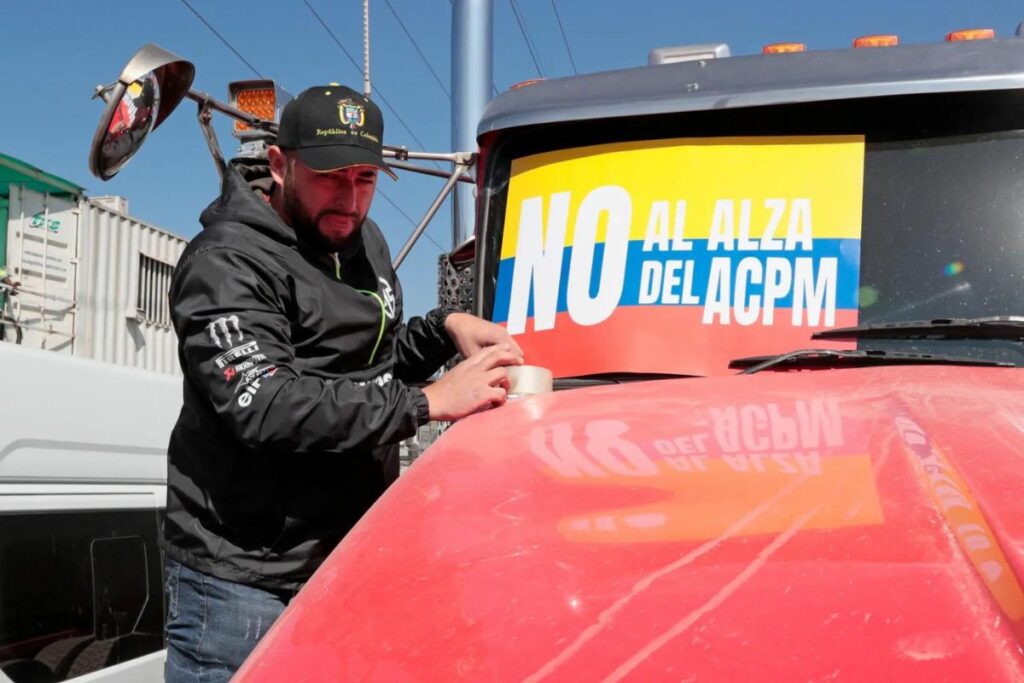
785,292
780,296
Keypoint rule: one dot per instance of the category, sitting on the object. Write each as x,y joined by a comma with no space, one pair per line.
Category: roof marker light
970,34
882,40
687,53
779,48
262,98
256,101
523,84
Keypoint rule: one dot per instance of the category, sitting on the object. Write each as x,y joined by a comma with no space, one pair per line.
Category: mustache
337,212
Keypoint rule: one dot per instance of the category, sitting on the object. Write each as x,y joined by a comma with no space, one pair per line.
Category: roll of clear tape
527,380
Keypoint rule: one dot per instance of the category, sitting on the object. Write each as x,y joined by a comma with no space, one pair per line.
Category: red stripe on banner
659,339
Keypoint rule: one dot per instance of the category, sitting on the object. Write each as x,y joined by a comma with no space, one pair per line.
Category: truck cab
780,298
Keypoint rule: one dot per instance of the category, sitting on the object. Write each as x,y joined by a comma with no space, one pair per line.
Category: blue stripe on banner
846,251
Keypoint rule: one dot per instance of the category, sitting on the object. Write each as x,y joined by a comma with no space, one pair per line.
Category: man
296,364
7,283
8,288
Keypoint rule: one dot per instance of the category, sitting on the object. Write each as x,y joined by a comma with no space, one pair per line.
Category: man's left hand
471,334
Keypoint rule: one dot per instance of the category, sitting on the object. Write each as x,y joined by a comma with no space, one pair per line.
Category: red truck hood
858,524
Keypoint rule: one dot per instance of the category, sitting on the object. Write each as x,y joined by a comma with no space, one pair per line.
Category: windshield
946,222
918,205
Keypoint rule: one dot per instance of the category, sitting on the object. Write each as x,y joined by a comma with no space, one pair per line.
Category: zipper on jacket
383,317
383,322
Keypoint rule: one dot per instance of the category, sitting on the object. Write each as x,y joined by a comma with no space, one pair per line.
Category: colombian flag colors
674,256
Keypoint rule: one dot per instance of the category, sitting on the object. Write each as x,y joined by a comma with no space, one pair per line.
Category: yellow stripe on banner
827,170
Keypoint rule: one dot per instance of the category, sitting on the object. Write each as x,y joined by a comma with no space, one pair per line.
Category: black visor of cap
334,157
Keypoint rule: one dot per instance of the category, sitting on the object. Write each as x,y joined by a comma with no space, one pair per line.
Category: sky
57,51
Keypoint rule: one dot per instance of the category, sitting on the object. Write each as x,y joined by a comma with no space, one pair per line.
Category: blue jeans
213,624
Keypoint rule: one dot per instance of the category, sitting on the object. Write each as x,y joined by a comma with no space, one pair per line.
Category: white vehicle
82,487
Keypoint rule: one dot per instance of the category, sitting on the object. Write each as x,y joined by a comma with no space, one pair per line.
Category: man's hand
480,381
471,334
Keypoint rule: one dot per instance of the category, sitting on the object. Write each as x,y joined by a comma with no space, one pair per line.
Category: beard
307,226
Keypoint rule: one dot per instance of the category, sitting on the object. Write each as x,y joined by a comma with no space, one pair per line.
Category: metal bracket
463,162
102,92
237,114
437,173
400,153
205,116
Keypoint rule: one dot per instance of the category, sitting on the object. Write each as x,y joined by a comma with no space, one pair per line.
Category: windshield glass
945,219
914,210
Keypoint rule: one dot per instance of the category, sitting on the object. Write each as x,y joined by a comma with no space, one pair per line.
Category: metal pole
237,114
401,165
401,154
46,249
438,200
366,48
472,54
205,116
21,248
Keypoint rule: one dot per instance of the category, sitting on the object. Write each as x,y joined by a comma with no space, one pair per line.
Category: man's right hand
478,382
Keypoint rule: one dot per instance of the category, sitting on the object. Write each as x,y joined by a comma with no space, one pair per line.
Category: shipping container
94,280
125,274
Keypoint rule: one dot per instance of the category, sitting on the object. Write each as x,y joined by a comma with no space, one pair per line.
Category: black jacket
294,394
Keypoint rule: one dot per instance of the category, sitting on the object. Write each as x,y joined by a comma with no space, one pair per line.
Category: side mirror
151,85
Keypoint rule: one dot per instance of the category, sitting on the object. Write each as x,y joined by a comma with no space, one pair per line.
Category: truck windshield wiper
612,378
594,380
829,358
1009,328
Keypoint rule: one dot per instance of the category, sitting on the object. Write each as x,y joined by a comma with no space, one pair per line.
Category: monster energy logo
224,325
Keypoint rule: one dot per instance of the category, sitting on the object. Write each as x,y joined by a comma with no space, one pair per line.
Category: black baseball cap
331,127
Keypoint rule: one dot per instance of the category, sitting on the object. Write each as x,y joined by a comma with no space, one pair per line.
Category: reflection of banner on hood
678,255
755,469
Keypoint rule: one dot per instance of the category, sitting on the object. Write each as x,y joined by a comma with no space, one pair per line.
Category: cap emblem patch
351,113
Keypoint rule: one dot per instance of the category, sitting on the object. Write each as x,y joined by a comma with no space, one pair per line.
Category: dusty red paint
862,523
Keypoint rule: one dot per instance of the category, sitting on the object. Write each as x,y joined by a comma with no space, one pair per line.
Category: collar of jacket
239,203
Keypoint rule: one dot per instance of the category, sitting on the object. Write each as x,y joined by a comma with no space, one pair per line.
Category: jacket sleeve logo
388,296
224,326
235,354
